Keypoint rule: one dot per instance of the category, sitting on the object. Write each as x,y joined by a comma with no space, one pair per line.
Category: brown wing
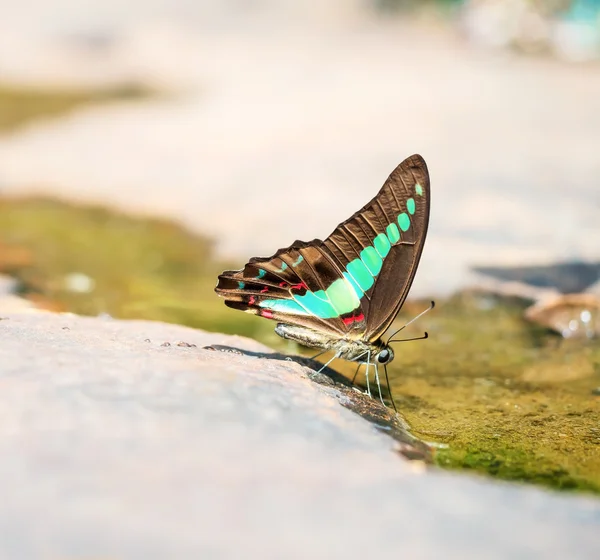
276,287
402,205
354,282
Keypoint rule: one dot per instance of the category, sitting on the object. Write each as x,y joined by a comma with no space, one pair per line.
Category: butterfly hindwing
353,283
287,287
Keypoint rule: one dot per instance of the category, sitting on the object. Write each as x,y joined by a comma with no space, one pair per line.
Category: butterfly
342,294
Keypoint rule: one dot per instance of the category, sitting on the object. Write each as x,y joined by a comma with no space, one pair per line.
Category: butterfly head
385,355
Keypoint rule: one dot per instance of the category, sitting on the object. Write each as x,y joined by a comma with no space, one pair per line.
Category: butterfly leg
358,367
378,384
367,374
356,373
318,354
325,365
387,382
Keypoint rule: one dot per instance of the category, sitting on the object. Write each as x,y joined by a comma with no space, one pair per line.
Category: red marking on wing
264,290
252,300
350,320
282,284
267,314
299,286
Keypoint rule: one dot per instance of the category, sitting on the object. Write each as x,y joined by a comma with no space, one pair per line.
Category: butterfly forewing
398,215
353,283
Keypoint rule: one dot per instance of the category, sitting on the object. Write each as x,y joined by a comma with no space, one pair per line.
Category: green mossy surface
142,268
501,396
19,105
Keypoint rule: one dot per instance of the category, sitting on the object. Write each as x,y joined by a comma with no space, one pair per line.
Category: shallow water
505,397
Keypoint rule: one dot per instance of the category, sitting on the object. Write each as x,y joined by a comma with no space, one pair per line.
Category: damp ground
492,393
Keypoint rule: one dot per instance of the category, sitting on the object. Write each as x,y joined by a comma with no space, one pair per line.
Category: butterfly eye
383,357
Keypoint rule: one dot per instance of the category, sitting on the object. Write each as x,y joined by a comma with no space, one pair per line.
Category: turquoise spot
283,266
419,189
342,297
357,289
318,304
283,306
261,273
392,233
361,274
404,221
241,285
382,245
372,260
410,206
298,261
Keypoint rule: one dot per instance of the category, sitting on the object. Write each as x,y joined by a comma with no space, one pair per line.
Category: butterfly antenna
387,381
424,337
431,306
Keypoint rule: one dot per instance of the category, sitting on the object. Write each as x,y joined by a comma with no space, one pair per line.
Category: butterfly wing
380,246
289,287
354,283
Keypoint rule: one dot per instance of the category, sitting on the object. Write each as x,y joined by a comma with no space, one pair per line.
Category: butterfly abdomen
345,348
304,336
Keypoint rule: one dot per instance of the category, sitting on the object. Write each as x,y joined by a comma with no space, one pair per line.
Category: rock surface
116,445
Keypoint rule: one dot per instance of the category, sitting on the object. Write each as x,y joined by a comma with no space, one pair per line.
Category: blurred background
146,145
299,111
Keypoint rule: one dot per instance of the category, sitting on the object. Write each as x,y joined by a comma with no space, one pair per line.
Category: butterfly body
346,348
343,293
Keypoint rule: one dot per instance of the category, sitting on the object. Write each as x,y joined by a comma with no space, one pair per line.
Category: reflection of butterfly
343,293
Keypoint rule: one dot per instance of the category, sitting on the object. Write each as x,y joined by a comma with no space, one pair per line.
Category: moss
19,106
501,396
498,396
